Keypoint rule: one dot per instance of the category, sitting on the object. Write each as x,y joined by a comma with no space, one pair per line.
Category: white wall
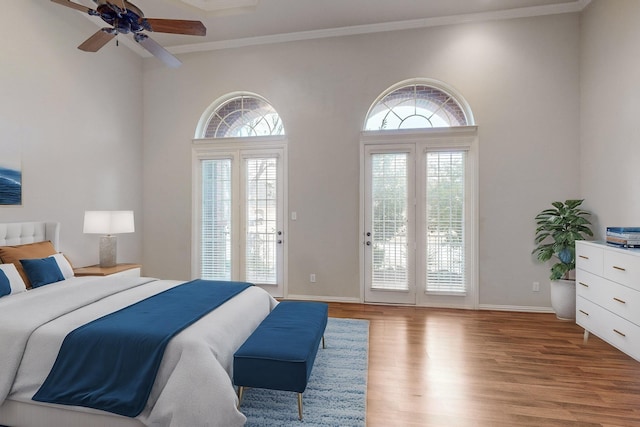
610,106
75,120
519,76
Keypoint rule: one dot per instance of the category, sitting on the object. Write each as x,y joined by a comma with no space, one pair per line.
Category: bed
193,386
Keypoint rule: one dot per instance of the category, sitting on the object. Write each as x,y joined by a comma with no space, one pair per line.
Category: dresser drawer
589,257
620,300
611,328
622,267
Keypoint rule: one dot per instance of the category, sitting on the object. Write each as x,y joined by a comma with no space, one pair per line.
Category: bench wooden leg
323,346
240,394
300,406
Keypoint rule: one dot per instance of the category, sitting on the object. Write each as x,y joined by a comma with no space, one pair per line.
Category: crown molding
525,12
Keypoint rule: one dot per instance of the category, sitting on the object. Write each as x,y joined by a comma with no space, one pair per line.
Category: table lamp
108,223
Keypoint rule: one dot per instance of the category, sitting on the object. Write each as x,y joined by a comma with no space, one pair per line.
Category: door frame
219,147
464,136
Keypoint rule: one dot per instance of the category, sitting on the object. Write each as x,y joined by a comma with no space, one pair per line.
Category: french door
389,224
240,227
418,222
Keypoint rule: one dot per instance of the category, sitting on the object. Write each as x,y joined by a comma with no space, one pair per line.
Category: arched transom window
244,115
416,105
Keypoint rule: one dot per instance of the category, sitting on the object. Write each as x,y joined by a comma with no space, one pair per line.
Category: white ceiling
232,23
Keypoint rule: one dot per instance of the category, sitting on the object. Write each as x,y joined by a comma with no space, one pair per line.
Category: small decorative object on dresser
624,237
608,294
558,230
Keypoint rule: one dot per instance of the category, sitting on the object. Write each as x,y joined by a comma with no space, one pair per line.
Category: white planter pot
563,299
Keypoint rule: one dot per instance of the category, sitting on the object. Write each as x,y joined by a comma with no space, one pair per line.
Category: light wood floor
454,368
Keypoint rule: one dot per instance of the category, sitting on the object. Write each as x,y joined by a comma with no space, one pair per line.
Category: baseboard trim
322,298
488,307
522,308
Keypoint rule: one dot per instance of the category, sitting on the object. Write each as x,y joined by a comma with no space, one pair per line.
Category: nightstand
130,270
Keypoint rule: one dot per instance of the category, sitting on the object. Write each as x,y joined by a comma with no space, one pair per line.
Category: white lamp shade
108,222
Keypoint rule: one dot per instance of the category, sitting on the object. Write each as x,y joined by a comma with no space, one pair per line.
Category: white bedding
193,386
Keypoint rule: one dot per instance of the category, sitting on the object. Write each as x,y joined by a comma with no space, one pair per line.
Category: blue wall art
10,182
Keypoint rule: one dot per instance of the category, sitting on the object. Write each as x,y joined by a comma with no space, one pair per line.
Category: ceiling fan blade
97,41
73,5
175,26
158,51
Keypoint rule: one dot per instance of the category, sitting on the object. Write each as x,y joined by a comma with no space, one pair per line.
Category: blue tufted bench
280,353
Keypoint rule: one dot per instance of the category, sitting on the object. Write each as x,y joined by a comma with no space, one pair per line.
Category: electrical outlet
536,286
312,277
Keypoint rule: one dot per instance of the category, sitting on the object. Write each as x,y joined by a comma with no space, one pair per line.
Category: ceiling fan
124,18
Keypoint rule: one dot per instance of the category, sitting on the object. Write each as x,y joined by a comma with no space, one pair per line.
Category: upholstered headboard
20,233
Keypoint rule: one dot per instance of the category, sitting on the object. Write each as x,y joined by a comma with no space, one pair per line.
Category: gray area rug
336,391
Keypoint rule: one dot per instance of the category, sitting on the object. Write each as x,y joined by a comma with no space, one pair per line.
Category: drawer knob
619,300
619,333
584,284
583,256
584,312
619,268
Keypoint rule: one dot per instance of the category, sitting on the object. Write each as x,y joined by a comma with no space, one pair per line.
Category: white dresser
608,294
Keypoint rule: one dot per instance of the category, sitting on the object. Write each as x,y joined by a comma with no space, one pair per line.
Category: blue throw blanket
111,363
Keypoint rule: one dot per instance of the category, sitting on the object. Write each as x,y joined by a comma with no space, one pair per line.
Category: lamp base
108,251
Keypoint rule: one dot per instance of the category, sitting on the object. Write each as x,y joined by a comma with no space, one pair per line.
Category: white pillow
15,280
63,264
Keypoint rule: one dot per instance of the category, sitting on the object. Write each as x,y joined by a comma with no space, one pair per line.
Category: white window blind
389,188
445,239
216,220
262,221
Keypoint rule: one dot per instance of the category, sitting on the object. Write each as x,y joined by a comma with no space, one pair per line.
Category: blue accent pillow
42,271
5,286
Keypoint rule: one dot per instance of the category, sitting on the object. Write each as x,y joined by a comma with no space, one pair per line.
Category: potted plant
558,229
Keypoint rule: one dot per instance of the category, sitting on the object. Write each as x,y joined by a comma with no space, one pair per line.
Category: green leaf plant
558,229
